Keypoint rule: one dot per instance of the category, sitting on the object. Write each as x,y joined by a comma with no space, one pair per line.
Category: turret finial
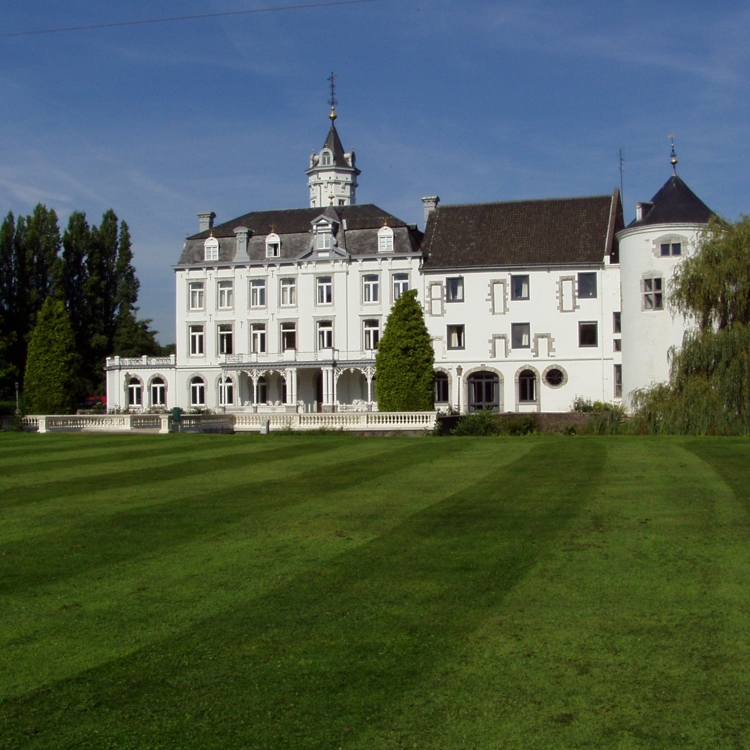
673,157
333,101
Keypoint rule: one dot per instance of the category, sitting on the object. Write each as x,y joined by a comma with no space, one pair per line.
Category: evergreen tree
709,385
405,361
51,366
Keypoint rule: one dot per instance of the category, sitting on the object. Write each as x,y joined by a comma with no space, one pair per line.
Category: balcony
293,356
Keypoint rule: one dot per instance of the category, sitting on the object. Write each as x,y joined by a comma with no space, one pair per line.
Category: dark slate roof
675,203
333,143
294,227
523,233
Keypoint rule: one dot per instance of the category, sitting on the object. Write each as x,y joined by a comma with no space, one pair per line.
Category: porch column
329,388
290,375
254,378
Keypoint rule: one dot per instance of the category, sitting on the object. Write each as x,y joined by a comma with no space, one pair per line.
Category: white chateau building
529,303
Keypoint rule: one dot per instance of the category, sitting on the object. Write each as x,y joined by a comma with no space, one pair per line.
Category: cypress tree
49,385
404,366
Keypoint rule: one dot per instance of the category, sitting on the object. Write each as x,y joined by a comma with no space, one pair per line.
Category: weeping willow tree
709,385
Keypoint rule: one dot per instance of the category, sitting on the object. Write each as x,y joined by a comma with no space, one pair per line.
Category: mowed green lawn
327,591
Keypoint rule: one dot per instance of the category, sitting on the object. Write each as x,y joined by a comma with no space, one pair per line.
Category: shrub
528,424
479,423
605,418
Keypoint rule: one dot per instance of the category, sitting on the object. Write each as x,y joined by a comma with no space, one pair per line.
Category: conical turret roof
675,203
333,144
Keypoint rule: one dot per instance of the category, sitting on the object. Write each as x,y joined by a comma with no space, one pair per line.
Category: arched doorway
484,391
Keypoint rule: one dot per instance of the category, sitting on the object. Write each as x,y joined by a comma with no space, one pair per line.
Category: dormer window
325,159
385,240
273,245
211,249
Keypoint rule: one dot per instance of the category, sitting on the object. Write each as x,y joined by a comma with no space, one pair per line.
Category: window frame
324,290
225,335
652,293
369,332
370,288
385,240
398,280
197,391
288,289
441,387
454,289
226,388
324,337
288,330
455,332
670,249
588,325
225,294
197,334
587,277
517,331
257,293
135,392
515,295
528,387
158,386
196,295
258,338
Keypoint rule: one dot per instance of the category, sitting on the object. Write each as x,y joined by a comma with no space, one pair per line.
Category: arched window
135,392
197,392
441,387
158,392
527,386
325,159
385,240
226,391
484,391
273,245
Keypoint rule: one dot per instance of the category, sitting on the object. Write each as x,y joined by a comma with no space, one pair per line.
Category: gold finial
330,198
673,157
273,228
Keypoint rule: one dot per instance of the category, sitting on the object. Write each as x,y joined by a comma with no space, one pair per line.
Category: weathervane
673,157
333,102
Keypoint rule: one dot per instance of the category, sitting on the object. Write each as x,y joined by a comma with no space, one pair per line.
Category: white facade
529,304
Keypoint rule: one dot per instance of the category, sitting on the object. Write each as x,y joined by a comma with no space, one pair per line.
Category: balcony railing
119,362
330,356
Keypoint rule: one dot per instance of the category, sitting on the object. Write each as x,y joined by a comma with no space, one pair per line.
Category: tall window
527,386
158,392
226,391
258,338
288,292
225,339
325,159
325,334
400,284
618,381
441,388
135,392
197,392
653,298
519,287
262,390
587,285
454,289
456,337
226,295
520,336
371,334
196,295
325,290
484,391
370,288
288,336
258,293
323,238
616,322
196,341
588,334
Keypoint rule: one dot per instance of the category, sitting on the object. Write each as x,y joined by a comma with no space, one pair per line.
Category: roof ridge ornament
673,157
333,101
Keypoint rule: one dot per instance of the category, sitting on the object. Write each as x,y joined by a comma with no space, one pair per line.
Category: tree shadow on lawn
329,656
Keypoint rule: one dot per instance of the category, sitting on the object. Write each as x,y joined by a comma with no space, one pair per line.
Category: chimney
430,204
240,253
206,220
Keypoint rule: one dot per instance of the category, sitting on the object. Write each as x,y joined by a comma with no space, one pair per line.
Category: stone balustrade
238,422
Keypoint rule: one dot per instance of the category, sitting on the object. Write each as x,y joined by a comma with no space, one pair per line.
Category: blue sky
474,101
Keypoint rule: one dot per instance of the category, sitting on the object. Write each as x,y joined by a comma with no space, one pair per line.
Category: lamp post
459,373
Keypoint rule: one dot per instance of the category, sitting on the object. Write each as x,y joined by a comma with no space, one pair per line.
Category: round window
554,377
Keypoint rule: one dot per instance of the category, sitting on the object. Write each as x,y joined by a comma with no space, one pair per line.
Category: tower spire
673,157
333,101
